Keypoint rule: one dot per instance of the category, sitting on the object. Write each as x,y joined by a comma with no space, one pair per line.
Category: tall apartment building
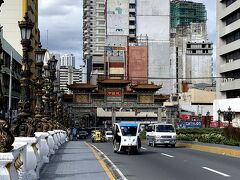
13,11
228,49
185,12
68,75
94,29
228,60
67,60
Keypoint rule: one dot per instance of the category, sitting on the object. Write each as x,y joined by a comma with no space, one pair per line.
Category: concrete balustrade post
43,149
31,156
12,163
51,143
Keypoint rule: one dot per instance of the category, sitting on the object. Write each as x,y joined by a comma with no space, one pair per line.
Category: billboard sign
190,124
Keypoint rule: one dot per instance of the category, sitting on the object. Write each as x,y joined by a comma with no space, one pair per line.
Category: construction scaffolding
185,12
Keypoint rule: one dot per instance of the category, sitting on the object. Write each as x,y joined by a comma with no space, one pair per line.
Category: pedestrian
74,133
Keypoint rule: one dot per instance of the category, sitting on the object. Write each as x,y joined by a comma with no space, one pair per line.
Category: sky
60,23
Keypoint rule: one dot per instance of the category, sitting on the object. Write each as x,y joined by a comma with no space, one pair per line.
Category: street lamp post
207,119
229,115
219,114
6,137
25,125
39,56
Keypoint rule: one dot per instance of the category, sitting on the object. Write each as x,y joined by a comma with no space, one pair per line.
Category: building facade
94,29
14,11
67,60
68,75
5,76
191,52
156,14
228,59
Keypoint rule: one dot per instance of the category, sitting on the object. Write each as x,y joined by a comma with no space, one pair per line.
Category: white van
126,137
161,134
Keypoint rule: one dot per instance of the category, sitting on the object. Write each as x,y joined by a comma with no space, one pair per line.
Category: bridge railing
30,154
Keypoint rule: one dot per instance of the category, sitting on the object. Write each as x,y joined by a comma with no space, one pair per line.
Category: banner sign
190,124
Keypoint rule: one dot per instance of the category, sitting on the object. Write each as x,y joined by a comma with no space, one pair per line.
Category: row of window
232,17
194,51
232,56
234,36
229,2
199,46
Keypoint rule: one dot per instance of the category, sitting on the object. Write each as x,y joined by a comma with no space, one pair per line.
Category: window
232,17
101,5
234,36
229,2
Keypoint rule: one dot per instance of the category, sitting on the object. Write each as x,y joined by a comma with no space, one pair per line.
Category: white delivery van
126,137
161,134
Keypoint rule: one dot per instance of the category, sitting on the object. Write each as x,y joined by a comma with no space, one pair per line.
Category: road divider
217,172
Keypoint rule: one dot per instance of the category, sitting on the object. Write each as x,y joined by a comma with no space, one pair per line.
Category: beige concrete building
13,11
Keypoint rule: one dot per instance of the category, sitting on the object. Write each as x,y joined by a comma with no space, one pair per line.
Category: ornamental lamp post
219,114
39,108
229,115
25,125
207,119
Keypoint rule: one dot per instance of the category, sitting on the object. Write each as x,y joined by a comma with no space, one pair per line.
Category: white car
126,137
108,135
161,134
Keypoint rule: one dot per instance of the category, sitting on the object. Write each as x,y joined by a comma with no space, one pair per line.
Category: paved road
173,164
73,161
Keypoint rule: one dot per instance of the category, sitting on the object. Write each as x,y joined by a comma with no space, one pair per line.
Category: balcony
132,27
230,28
231,66
132,10
229,47
132,18
229,84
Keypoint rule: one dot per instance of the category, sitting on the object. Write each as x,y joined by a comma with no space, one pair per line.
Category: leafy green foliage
227,136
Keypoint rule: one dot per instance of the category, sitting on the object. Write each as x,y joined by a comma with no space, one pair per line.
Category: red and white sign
215,124
114,93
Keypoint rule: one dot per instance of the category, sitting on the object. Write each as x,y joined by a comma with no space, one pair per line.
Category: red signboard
215,124
114,93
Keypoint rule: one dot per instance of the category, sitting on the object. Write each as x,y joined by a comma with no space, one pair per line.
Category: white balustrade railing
29,155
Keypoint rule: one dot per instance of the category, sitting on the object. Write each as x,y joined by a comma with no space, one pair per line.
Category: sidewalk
74,160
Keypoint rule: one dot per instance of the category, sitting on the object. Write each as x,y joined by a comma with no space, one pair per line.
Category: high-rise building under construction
185,12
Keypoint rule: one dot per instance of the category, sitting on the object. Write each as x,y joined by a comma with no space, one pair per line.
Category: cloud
60,24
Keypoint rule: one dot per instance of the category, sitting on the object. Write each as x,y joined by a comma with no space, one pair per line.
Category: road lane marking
167,155
217,172
122,177
143,148
103,164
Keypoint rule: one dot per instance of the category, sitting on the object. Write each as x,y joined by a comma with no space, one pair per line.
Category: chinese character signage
114,93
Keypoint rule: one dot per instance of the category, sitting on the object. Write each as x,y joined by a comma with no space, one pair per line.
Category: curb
211,149
118,175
